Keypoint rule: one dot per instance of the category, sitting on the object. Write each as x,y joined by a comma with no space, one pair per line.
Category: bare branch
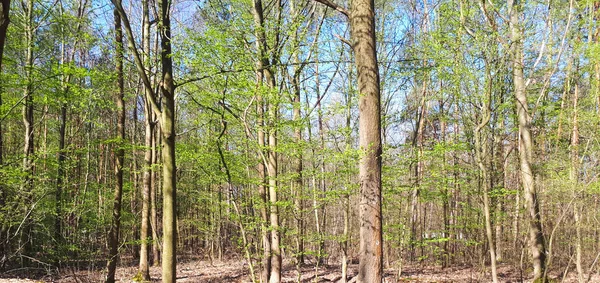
335,7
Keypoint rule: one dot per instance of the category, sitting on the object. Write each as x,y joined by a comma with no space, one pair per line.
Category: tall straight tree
113,235
144,270
362,26
537,243
167,126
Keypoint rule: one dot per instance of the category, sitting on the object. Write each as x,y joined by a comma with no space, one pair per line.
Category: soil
235,271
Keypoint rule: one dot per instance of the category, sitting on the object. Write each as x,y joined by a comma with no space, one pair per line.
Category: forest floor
237,271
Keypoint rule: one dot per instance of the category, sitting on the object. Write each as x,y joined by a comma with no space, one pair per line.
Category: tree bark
167,127
537,243
113,235
145,234
266,166
362,23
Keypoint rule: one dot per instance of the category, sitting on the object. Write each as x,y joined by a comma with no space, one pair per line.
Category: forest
299,141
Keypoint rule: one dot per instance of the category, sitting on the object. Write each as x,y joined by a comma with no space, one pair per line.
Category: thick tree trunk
113,235
167,127
537,243
362,23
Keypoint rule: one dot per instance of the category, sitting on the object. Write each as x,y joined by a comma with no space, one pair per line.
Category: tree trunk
167,127
573,176
145,235
113,235
263,73
154,189
537,243
362,23
276,259
28,148
482,156
418,145
297,182
4,21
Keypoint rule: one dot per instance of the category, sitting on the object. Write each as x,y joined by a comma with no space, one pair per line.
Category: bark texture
167,127
362,23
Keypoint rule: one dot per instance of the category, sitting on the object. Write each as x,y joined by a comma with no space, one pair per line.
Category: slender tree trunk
298,184
346,198
537,243
145,232
276,259
573,176
154,189
113,235
145,235
61,172
362,23
418,172
321,232
27,113
445,192
482,156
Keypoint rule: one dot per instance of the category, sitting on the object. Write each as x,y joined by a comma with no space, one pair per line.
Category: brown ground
237,271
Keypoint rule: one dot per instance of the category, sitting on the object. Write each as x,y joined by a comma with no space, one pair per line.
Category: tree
113,236
167,126
362,25
149,126
27,113
537,243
